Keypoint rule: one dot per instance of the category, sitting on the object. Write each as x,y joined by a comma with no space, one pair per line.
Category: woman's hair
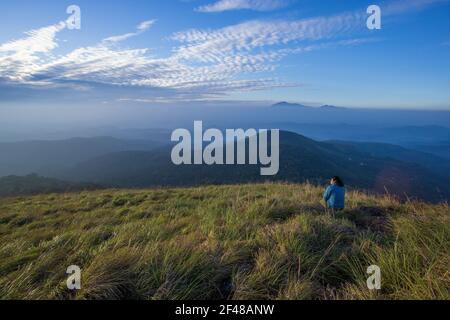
338,181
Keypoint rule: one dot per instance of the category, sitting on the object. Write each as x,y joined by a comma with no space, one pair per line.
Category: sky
150,52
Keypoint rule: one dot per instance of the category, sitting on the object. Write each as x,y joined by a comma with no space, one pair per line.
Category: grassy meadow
262,241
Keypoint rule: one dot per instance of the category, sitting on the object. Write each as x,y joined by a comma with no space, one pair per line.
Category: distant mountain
289,105
301,159
435,164
440,148
48,157
328,107
298,106
408,136
34,184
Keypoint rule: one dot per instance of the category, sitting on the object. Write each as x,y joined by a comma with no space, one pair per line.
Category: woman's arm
327,194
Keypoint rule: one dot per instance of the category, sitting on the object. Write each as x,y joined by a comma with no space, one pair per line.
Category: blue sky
177,51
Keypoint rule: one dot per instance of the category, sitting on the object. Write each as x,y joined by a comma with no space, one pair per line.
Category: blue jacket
335,197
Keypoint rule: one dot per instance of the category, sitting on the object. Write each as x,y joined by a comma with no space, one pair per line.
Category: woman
334,195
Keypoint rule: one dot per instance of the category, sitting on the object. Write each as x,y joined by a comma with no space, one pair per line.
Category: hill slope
268,241
34,184
429,161
301,159
47,157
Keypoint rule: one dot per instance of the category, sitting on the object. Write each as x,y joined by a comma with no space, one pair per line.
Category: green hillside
262,241
33,184
301,160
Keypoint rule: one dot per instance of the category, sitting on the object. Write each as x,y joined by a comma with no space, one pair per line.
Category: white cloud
142,27
146,25
21,58
256,34
203,63
258,5
39,40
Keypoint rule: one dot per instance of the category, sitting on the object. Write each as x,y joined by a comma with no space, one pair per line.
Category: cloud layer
257,5
20,59
203,63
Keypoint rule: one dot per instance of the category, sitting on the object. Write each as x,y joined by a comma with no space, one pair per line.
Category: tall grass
264,241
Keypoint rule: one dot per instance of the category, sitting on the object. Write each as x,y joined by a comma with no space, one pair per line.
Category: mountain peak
288,105
330,107
285,104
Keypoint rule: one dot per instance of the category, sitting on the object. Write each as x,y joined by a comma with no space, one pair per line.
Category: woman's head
337,181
